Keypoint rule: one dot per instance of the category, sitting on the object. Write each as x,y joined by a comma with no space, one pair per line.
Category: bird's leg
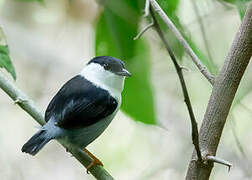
95,161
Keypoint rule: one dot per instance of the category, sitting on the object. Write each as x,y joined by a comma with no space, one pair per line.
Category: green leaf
115,30
169,6
5,61
241,6
228,1
138,100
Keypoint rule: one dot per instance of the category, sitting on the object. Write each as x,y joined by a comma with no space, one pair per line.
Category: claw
95,161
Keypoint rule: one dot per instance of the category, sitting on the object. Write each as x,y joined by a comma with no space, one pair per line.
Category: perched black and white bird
84,107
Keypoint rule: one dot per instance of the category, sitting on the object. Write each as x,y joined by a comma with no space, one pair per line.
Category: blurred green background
50,41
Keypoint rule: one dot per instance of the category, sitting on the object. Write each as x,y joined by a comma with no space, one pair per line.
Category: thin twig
203,31
184,68
28,105
219,161
143,31
203,69
195,135
147,8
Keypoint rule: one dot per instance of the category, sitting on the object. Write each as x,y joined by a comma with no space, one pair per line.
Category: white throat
107,80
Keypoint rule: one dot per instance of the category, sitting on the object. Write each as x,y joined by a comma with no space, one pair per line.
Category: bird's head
106,71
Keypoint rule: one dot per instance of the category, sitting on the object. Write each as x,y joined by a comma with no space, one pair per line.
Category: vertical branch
225,87
195,136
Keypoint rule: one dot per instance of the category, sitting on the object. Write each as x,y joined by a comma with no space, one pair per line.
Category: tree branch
195,135
143,30
28,105
147,8
183,42
219,161
222,96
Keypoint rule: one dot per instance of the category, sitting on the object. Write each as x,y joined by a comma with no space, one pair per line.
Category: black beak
124,72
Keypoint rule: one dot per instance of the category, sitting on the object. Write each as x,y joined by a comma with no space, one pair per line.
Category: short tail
36,143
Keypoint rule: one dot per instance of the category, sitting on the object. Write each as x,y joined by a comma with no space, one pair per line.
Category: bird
83,107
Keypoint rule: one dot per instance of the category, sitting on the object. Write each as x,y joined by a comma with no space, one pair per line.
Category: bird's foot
95,161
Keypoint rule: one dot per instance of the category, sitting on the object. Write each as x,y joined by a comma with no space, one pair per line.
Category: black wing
79,103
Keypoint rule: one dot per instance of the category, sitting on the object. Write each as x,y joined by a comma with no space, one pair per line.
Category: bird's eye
106,66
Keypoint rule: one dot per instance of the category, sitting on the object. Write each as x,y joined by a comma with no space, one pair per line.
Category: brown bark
222,96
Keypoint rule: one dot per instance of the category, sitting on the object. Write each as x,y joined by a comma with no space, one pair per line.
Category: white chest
107,80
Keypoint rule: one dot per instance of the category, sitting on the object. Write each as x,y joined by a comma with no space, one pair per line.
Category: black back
79,103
